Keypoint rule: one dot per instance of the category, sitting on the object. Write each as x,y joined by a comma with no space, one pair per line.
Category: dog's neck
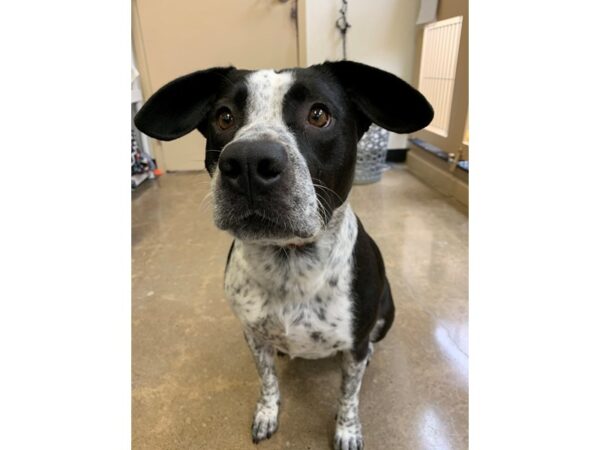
339,231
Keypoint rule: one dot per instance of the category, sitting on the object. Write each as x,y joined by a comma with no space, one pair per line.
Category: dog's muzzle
261,194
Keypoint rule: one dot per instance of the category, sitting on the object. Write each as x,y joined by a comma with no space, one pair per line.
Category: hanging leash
343,25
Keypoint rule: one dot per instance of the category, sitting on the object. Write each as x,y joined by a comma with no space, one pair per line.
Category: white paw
348,438
264,424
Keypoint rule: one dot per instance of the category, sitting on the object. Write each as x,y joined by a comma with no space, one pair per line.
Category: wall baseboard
439,178
396,154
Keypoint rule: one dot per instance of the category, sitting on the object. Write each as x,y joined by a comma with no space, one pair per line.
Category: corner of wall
302,33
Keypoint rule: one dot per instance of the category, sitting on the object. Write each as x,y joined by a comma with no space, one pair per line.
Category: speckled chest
298,301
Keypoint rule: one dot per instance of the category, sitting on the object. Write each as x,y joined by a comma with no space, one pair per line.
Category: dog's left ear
181,105
384,98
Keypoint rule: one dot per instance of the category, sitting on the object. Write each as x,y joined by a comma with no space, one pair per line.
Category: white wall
382,34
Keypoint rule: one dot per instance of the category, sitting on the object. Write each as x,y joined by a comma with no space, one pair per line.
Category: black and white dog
302,275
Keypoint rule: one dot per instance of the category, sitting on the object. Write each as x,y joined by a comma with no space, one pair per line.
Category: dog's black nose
252,168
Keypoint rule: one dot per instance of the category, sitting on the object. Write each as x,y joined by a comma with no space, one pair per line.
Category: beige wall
382,35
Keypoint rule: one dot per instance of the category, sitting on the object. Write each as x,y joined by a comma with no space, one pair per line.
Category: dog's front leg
267,408
348,435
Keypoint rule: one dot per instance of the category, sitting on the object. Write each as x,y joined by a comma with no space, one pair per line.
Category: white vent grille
438,69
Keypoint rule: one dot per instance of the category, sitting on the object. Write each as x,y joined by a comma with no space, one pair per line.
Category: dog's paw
264,424
348,439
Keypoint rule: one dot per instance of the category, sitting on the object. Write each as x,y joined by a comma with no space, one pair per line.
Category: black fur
181,105
382,97
372,296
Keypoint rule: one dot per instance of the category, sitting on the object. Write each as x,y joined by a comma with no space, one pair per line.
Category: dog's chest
312,327
300,304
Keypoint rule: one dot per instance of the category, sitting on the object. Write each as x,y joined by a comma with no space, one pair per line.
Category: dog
302,274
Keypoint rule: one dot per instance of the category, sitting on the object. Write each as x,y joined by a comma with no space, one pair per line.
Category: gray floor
194,382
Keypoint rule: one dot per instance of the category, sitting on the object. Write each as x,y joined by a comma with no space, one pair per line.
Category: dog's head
281,145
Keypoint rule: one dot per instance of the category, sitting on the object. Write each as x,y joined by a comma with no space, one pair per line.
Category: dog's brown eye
319,116
225,119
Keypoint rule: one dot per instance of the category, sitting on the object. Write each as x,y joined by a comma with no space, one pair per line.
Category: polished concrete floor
194,381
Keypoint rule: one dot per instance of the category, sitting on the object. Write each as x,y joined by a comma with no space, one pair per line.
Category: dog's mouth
261,219
264,225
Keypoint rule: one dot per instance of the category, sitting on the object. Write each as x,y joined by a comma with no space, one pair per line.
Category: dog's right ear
181,105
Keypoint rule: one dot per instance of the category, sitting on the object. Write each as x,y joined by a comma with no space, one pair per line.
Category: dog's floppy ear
384,98
181,105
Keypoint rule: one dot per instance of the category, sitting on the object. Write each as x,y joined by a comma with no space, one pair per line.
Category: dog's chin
259,228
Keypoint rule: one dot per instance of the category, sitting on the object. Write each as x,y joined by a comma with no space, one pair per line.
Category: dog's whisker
325,188
206,201
321,209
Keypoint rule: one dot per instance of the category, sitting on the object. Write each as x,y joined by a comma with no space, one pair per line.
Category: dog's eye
319,116
225,119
